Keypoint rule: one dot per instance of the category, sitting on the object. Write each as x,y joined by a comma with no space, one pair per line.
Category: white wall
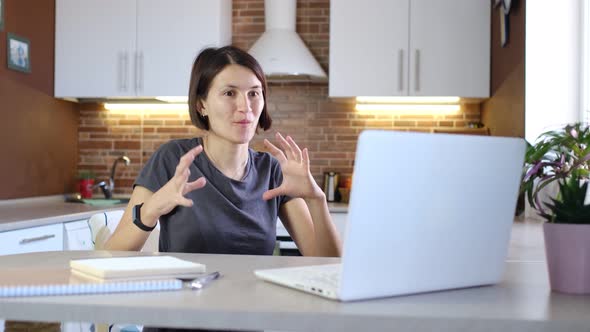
585,35
553,60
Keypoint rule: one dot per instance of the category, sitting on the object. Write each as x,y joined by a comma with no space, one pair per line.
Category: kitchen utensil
331,185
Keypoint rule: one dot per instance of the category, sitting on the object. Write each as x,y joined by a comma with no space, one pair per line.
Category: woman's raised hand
297,178
173,192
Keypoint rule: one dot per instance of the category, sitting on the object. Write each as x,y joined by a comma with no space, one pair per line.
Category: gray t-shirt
228,216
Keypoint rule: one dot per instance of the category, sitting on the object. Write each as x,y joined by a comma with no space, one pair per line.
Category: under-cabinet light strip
409,108
408,100
143,107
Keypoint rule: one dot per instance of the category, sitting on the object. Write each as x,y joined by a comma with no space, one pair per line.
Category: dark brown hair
210,62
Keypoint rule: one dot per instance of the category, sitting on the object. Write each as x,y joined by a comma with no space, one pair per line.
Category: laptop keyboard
321,275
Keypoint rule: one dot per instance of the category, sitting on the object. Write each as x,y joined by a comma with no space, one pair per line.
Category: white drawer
42,238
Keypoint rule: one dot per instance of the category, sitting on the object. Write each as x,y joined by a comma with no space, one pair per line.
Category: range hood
280,51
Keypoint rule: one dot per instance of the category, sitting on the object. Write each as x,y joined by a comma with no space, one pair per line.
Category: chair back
103,224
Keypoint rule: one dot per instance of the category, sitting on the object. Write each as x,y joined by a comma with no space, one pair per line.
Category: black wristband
137,219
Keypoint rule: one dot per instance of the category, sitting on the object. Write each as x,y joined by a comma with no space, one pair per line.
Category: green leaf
569,144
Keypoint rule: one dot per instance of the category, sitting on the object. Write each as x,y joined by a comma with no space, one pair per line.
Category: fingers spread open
285,145
276,152
185,202
187,159
295,148
197,184
270,194
306,157
180,179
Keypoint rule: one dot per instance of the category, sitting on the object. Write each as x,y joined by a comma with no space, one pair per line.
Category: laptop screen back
429,212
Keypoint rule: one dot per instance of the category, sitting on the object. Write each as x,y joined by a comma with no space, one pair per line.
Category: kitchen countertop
338,207
47,210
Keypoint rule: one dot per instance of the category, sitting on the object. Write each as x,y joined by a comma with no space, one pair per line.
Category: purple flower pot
567,247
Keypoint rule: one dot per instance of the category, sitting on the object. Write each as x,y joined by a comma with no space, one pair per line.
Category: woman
213,194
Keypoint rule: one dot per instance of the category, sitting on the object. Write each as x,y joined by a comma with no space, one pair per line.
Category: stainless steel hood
280,51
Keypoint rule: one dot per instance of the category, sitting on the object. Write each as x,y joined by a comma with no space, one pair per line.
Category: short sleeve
160,167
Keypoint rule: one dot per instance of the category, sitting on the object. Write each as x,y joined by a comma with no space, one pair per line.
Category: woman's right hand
172,193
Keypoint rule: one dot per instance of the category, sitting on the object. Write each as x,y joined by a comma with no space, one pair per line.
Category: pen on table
202,281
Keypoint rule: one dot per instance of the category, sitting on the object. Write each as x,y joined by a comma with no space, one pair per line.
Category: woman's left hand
297,178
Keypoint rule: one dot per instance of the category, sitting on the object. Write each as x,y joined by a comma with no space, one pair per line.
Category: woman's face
234,104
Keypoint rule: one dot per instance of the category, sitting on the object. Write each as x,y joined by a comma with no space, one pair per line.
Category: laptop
428,212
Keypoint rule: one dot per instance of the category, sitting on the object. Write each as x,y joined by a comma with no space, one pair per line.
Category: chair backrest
103,224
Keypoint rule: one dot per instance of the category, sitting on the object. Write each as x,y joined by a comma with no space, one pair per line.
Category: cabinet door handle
120,72
141,71
400,68
136,72
36,239
417,70
125,70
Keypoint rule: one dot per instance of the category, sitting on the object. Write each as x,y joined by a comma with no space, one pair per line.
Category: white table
523,302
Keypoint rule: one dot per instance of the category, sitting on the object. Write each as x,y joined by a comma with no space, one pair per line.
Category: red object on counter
346,182
85,187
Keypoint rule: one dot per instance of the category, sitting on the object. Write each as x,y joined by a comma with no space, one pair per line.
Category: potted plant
85,183
562,157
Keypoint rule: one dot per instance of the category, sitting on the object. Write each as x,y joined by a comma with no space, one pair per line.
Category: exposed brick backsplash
328,128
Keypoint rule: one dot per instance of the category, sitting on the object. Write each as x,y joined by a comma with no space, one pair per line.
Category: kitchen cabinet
34,239
77,236
410,48
339,219
74,235
133,48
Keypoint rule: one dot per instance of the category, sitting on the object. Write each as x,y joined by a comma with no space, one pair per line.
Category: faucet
109,188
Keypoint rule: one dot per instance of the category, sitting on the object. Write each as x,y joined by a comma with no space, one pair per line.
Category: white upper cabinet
369,47
172,34
94,41
133,48
410,48
450,48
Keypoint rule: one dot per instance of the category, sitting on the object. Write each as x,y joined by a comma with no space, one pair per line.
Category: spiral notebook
46,282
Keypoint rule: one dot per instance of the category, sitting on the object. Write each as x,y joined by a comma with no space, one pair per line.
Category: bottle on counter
331,186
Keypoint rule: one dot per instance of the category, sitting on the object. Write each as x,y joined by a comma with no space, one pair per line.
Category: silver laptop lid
429,212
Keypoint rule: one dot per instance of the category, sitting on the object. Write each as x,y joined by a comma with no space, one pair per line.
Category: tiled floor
526,241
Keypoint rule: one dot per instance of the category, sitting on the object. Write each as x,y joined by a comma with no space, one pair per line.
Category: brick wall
328,128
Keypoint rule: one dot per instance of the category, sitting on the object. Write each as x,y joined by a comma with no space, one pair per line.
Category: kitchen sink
104,201
98,201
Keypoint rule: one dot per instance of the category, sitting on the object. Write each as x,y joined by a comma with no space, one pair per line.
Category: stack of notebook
135,268
101,275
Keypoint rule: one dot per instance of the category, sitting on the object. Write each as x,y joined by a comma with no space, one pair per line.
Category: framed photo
1,15
19,53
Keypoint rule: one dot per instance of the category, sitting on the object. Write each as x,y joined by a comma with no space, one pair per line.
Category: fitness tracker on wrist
137,219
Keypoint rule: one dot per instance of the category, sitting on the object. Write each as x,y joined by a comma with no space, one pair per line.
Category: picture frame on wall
19,53
1,15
